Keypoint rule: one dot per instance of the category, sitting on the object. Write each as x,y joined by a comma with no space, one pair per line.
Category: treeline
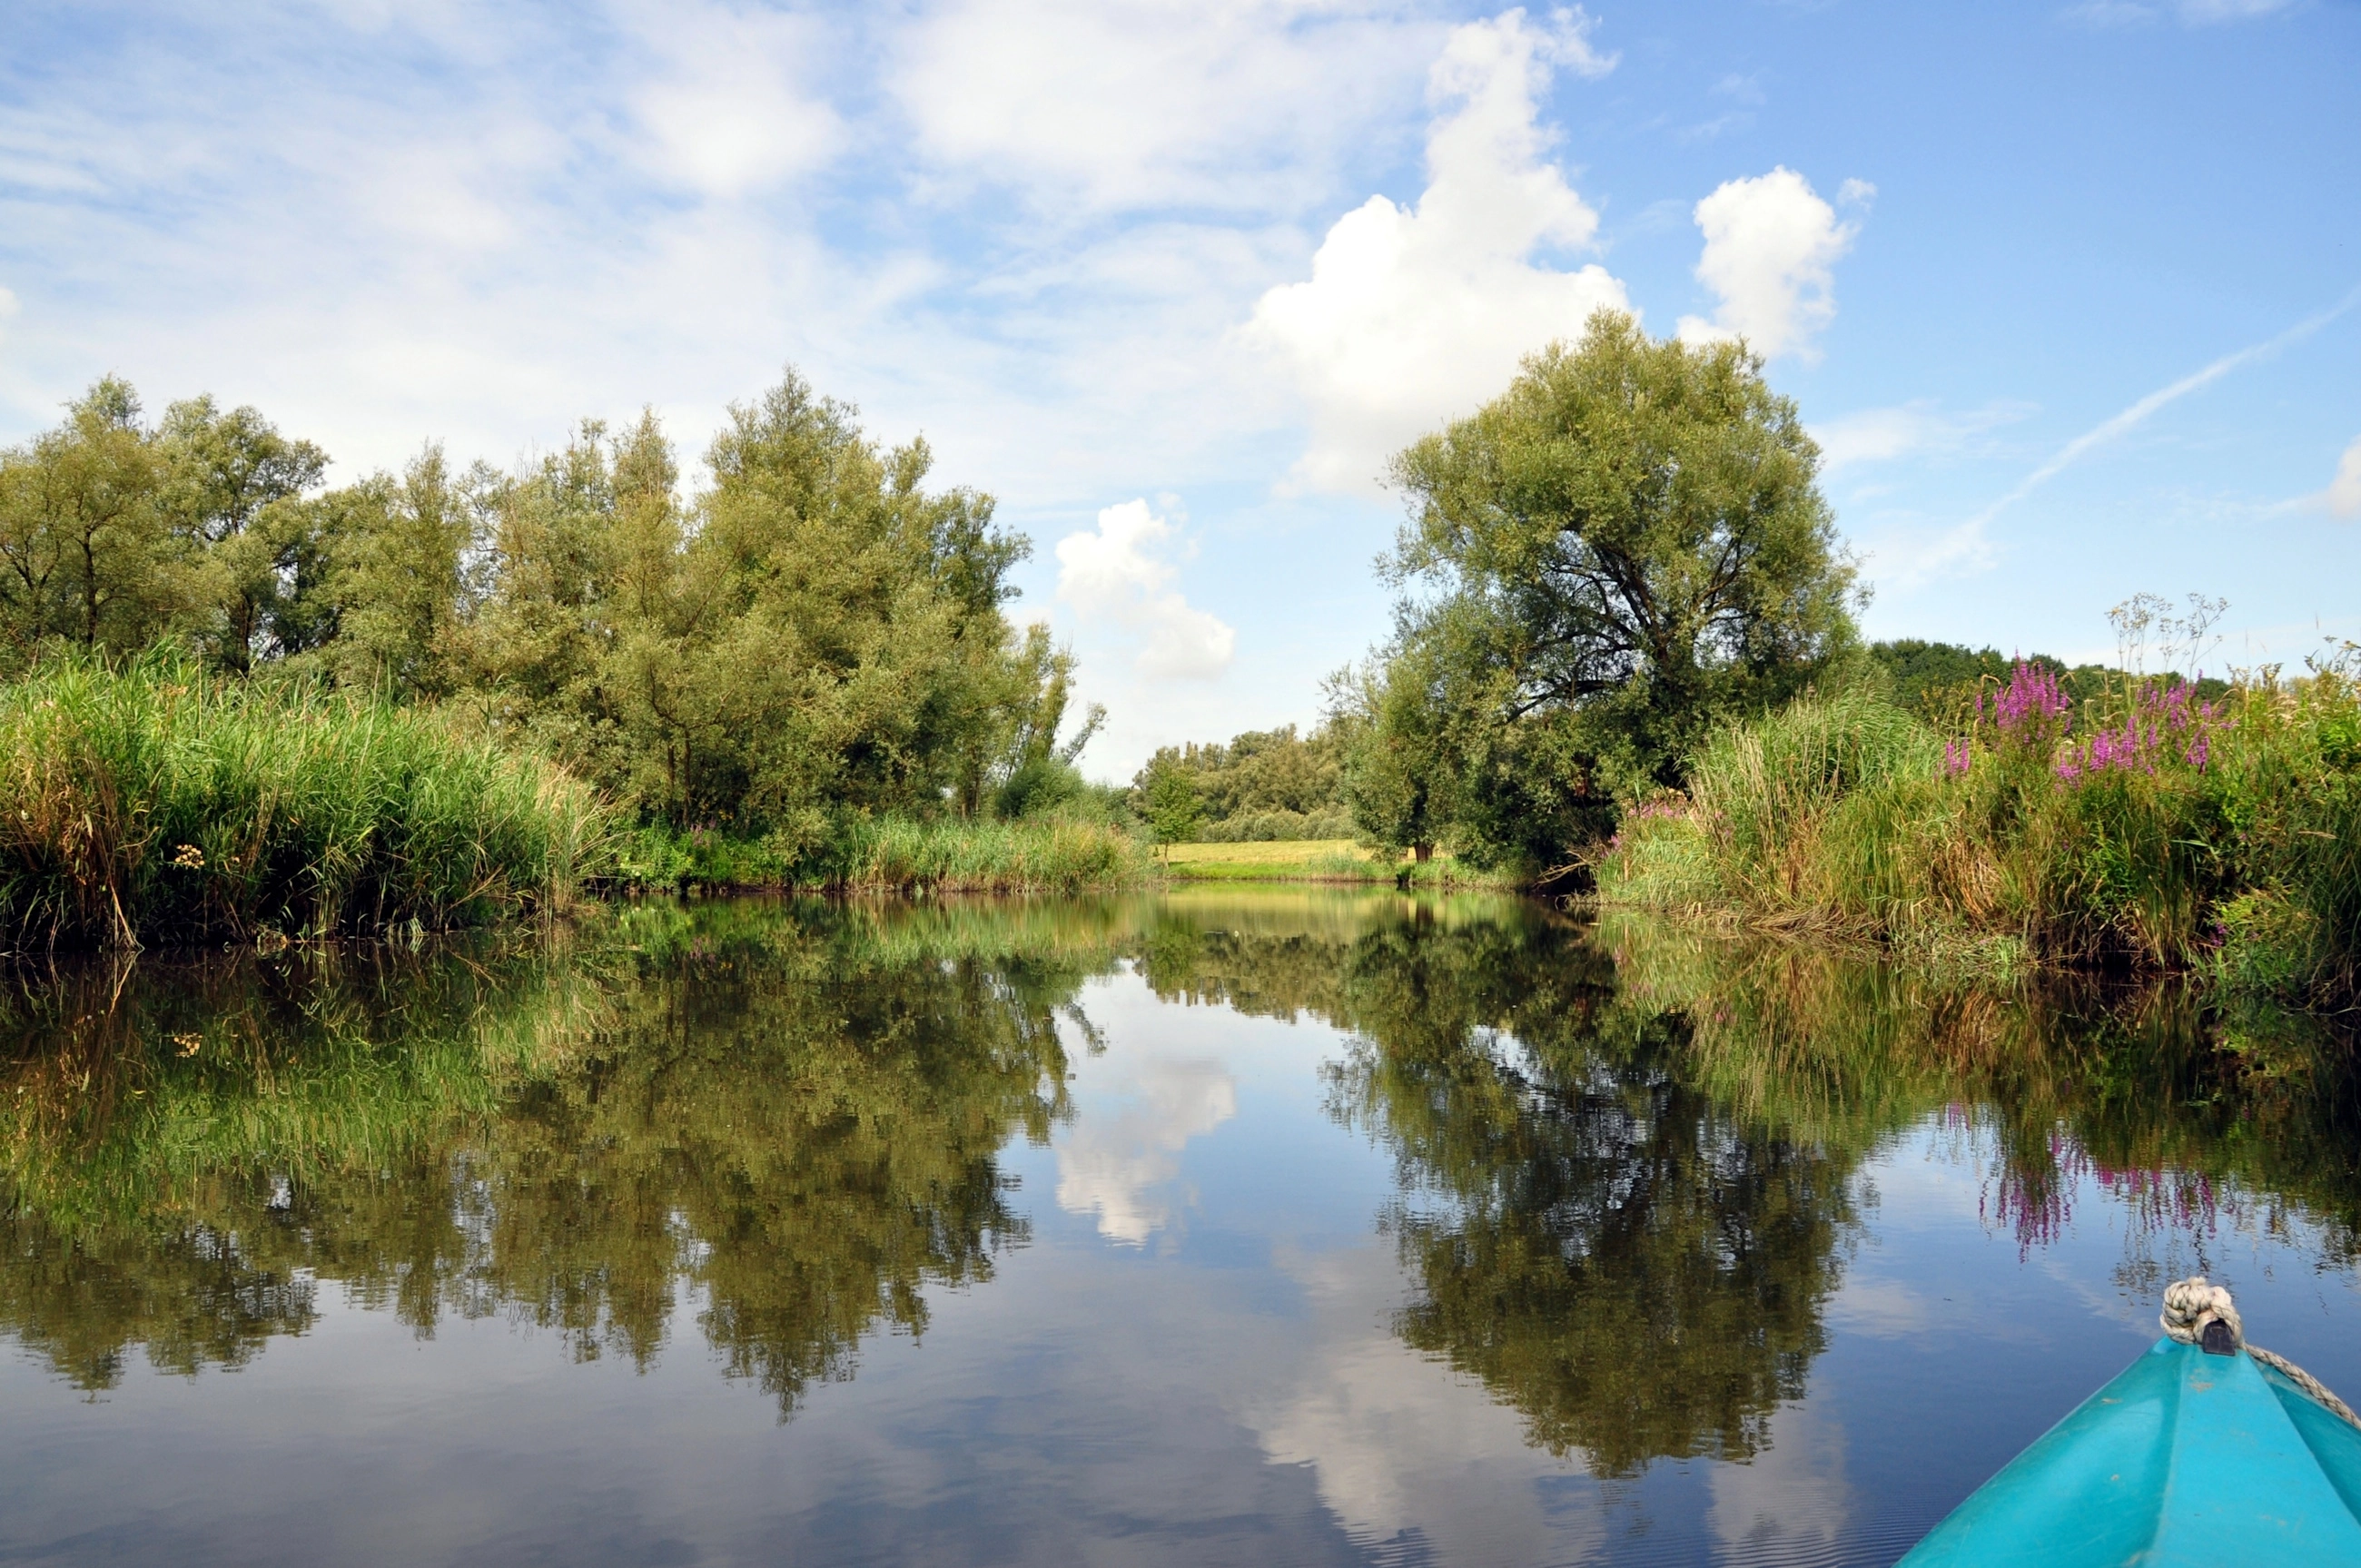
811,638
1264,786
1940,681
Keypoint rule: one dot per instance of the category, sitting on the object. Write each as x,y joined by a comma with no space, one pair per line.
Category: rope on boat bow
2201,1314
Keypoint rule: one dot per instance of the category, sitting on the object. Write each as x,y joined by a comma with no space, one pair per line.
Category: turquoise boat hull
2185,1458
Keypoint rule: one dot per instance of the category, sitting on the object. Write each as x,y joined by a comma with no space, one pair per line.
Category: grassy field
1285,860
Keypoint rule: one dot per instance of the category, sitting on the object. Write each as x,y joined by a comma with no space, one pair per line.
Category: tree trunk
1421,852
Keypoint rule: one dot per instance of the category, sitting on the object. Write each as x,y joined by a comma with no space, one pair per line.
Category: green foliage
818,635
232,488
1400,768
1264,786
1937,681
797,1116
149,803
1044,854
813,638
2226,846
1625,545
88,557
1169,804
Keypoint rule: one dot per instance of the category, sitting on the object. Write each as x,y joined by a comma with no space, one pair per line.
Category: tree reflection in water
1638,1271
1625,1153
794,1123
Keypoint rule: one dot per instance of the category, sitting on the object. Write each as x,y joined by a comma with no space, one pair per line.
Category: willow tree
88,557
1625,545
817,634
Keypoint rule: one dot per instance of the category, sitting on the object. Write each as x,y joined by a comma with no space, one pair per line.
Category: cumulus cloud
1770,245
726,105
2344,495
1117,574
1413,314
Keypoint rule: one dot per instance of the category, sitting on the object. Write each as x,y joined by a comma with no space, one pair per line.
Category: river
1202,1227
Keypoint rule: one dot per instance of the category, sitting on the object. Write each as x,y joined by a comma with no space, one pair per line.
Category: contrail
2100,434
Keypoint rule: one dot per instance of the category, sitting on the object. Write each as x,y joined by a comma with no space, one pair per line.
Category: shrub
1279,827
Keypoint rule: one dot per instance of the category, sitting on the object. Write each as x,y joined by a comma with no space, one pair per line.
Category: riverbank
1339,861
152,805
885,855
2143,832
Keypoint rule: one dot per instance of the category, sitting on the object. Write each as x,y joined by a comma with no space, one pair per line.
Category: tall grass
1051,854
150,804
1047,856
2141,829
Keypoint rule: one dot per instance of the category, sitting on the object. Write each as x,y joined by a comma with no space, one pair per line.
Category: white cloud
1413,315
2199,12
1792,1493
2193,13
2343,494
1135,104
1405,1449
1771,244
1917,428
1113,1165
1116,575
726,105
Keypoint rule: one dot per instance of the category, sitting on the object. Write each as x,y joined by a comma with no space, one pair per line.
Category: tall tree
406,585
1626,543
86,556
226,474
817,634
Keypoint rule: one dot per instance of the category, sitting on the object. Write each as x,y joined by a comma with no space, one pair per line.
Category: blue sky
2067,291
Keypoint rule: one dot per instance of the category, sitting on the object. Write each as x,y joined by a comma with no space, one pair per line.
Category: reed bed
152,804
2146,829
1049,856
894,855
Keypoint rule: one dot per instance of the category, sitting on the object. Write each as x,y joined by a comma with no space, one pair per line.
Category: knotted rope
2191,1304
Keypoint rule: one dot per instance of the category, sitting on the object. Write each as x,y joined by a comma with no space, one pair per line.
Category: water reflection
1602,1198
795,1122
1637,1271
1115,1167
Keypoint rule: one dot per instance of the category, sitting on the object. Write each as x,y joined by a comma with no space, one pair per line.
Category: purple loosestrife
2028,716
2165,725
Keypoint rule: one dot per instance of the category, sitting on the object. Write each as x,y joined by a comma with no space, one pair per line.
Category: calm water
1210,1228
